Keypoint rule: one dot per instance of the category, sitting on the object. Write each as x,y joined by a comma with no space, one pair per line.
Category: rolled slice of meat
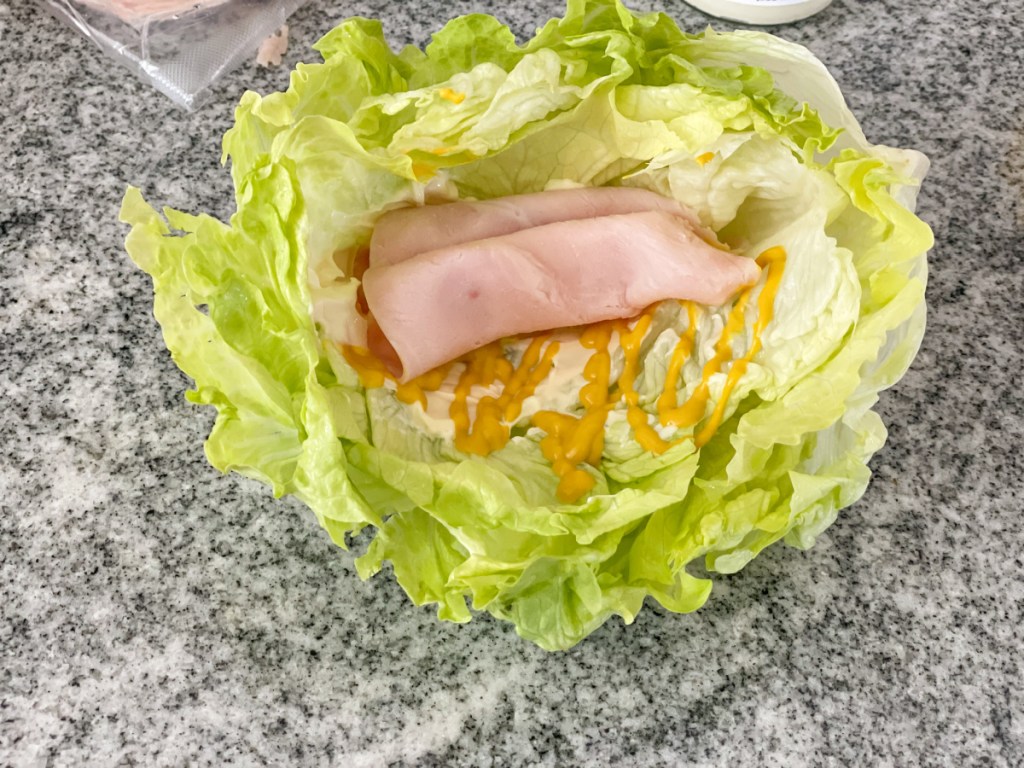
405,232
438,305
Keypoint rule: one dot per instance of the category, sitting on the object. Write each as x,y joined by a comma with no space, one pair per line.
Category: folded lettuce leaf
748,130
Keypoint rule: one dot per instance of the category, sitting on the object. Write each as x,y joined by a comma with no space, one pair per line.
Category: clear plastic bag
181,47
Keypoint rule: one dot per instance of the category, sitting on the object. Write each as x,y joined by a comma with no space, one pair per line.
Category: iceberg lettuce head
748,131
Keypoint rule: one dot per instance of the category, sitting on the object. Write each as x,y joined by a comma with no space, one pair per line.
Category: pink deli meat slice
434,307
405,232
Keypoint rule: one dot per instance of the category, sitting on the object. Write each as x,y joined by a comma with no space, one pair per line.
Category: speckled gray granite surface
155,612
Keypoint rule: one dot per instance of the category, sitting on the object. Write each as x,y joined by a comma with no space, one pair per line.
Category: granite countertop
153,611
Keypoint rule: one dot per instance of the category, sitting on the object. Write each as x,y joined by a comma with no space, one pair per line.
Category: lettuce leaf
599,96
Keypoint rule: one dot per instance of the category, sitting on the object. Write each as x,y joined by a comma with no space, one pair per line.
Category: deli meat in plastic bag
181,47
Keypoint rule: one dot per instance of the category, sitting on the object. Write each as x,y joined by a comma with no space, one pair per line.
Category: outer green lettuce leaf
600,96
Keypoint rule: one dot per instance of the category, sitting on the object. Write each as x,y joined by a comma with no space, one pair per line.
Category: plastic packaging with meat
181,47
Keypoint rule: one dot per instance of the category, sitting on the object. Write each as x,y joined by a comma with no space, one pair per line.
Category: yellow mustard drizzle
667,402
531,371
774,261
572,441
449,94
415,391
490,430
370,370
692,411
706,158
373,373
423,171
630,340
